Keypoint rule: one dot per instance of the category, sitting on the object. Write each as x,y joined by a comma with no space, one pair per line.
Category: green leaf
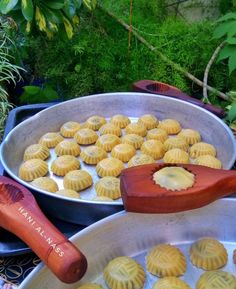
18,6
55,4
7,5
69,9
226,52
68,27
232,62
31,94
77,3
91,4
53,16
232,29
231,40
49,94
31,90
232,112
27,9
227,16
227,28
36,94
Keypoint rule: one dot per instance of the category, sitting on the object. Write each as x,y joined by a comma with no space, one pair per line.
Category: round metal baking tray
80,211
133,234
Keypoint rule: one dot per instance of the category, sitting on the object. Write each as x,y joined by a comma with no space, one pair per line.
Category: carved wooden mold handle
20,214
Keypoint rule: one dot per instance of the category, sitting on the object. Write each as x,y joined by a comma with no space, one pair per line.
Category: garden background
61,49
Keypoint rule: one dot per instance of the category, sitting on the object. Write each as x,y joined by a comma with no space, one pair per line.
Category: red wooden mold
156,87
141,194
20,214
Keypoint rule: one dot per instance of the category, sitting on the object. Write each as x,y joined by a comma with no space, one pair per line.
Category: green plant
49,16
226,31
9,72
35,94
97,58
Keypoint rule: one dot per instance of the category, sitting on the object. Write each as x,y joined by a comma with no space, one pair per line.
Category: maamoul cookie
124,272
153,148
165,260
85,136
68,193
120,120
95,122
208,254
141,159
51,139
63,164
33,169
69,128
36,151
191,136
171,126
149,121
170,283
176,156
102,199
107,141
45,183
67,147
123,152
175,143
90,286
133,139
109,167
157,134
110,128
77,180
93,154
202,148
174,178
208,161
136,128
216,280
108,187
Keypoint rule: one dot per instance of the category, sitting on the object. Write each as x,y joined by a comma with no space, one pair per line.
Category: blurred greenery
9,71
97,58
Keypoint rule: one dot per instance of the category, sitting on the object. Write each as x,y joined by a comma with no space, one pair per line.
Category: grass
9,72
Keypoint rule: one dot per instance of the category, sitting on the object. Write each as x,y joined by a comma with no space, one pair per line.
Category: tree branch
209,64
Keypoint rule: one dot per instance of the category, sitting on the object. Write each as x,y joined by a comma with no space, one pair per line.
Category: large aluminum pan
133,234
212,129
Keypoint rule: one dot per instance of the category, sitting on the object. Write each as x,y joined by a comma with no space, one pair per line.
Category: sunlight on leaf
91,4
7,5
68,27
40,19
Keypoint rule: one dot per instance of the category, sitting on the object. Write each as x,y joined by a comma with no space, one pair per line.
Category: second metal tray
133,234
